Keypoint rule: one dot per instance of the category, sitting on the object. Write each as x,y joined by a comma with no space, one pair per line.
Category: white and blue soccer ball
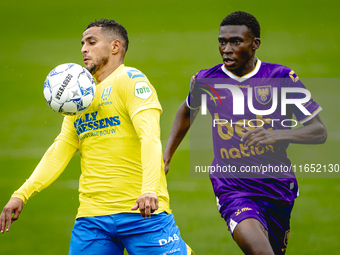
69,89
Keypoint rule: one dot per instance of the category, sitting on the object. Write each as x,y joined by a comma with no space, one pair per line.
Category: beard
95,66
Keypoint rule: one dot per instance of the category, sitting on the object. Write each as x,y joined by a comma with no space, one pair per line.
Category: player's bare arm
14,206
182,122
313,132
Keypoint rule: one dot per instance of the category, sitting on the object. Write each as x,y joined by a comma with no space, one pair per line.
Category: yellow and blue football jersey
110,149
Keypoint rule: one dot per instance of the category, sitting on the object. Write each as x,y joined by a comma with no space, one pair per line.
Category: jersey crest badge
106,93
263,94
142,90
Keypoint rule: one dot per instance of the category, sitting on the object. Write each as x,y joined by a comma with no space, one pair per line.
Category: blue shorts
273,214
112,234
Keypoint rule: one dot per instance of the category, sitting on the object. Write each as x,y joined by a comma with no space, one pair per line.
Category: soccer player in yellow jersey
118,138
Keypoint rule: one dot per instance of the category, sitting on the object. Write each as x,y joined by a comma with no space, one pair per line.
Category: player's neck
250,66
106,70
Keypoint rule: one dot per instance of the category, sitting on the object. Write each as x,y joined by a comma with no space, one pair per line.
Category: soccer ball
69,89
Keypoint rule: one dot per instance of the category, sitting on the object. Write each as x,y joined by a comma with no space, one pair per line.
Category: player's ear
256,43
116,46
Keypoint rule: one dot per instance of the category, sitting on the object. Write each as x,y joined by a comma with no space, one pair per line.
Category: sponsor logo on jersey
89,122
171,239
142,90
244,209
172,251
263,94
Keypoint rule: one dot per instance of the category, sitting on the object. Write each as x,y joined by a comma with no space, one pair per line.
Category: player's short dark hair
242,18
111,28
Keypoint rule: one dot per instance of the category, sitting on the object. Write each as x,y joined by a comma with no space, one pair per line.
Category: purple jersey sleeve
291,80
194,98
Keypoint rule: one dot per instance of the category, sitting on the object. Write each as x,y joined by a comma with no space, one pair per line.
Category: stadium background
169,41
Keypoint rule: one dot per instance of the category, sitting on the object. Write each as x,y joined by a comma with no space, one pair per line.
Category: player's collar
244,77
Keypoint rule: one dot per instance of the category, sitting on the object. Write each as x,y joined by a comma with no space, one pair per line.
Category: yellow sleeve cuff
149,192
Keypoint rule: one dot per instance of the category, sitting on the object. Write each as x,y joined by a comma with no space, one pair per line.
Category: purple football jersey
238,104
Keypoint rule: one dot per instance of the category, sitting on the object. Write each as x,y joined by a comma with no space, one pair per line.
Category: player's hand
260,136
166,166
147,204
15,206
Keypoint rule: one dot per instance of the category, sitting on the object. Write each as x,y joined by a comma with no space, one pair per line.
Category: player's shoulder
212,72
130,76
132,80
131,73
275,70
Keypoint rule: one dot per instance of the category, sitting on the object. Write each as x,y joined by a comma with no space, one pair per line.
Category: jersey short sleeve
138,94
193,100
291,80
68,132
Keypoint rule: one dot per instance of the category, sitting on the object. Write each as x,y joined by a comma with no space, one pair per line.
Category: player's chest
104,114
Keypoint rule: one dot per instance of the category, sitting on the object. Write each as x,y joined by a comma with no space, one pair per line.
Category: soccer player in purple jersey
256,206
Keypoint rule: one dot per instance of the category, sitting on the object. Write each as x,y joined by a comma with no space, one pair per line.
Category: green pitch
170,41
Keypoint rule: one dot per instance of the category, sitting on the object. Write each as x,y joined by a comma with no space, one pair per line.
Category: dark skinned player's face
237,47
